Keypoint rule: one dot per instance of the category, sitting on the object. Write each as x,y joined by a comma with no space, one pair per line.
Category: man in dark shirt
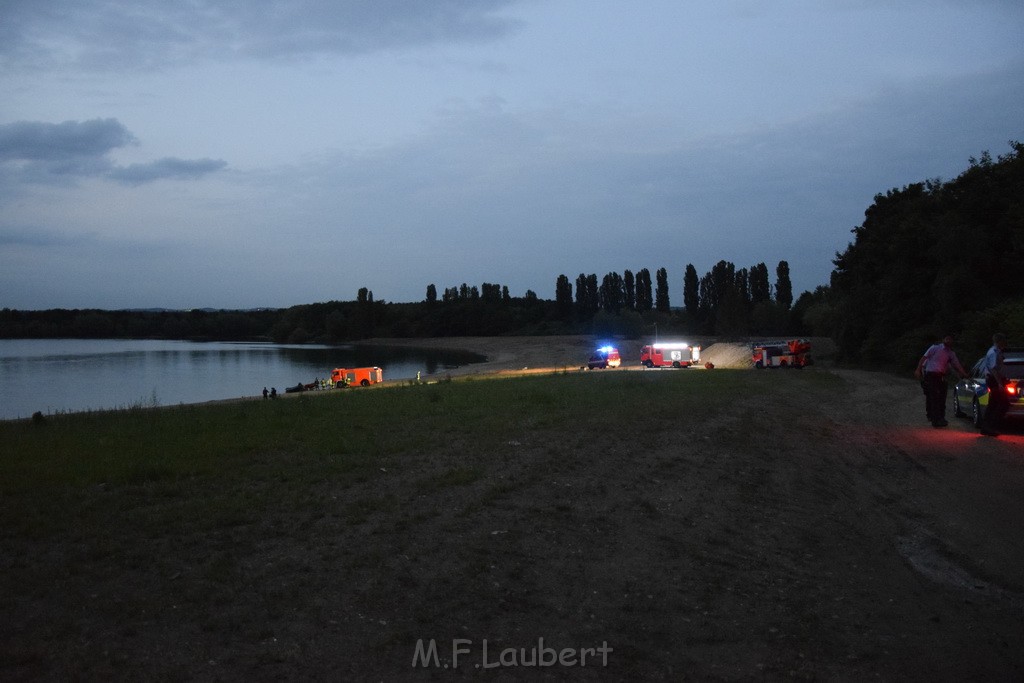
995,380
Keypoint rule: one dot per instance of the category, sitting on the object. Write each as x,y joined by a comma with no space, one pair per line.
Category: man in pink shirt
931,370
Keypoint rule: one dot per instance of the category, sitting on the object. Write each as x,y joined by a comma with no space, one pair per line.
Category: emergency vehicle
669,355
795,353
363,377
605,357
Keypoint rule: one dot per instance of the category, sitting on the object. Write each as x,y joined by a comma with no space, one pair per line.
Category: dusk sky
230,154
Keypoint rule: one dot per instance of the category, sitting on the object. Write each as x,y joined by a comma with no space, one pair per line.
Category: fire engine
669,354
795,353
364,377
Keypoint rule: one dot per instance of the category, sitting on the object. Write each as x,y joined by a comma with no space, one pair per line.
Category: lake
66,375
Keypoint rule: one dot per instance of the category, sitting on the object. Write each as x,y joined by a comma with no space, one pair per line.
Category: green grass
255,515
224,465
221,465
344,434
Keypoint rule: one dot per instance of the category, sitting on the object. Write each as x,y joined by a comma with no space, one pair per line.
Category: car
604,357
970,396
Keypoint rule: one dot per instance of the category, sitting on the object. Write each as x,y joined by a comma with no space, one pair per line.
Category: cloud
35,141
39,152
519,198
166,168
149,33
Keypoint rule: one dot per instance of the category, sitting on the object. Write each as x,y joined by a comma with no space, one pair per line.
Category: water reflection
69,375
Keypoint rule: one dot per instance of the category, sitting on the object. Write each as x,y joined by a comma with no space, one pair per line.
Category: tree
932,258
707,297
592,296
661,303
490,293
644,299
431,294
611,293
731,317
581,295
629,287
586,296
365,318
563,297
691,291
760,289
723,277
743,285
783,287
336,325
714,286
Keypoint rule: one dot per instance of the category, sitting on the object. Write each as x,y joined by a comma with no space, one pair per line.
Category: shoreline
505,356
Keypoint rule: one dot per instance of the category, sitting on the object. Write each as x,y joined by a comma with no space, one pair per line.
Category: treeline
726,301
930,259
132,324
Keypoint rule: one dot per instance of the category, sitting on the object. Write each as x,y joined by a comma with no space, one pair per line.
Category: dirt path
845,539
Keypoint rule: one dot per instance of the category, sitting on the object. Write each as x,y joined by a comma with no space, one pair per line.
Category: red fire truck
795,353
669,355
363,377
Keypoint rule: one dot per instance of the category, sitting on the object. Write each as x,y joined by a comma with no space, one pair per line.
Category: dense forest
931,258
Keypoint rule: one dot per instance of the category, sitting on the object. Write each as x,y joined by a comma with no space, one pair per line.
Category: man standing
931,370
995,381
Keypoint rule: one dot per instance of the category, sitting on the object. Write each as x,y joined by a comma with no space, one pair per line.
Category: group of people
935,365
315,384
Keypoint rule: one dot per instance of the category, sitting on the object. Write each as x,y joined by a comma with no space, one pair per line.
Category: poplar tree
691,290
644,300
661,295
783,287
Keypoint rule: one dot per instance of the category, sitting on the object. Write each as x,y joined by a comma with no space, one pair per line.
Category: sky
242,154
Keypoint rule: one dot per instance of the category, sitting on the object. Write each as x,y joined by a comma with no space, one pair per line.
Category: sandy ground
526,355
840,539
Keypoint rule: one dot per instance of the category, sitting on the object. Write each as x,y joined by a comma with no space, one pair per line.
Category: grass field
324,535
337,433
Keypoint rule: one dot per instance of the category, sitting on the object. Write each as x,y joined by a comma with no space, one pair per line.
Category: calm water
57,375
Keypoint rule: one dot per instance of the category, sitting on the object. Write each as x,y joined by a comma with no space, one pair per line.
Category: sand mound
727,355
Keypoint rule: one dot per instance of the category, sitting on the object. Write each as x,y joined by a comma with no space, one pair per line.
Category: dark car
970,396
605,357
